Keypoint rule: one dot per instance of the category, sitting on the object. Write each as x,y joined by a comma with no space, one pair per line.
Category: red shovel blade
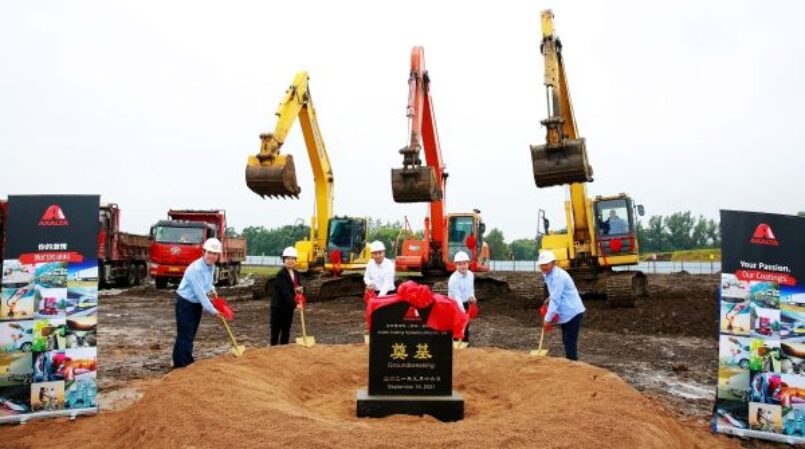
223,308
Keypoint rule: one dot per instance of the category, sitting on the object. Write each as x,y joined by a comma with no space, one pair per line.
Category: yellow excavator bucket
272,177
562,163
414,185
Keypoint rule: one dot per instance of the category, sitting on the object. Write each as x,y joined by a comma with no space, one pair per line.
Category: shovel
539,352
237,349
304,340
226,313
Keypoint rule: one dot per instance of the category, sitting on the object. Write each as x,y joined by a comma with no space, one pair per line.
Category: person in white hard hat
283,298
379,274
564,302
193,296
461,287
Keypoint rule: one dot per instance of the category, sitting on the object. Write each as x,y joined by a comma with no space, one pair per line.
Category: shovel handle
228,330
304,331
541,336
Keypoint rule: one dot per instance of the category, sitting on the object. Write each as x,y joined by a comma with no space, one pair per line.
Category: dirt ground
667,347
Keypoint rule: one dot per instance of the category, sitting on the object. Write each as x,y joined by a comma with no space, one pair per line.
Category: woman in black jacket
286,285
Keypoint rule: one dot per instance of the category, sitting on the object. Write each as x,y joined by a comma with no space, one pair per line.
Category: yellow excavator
336,244
602,232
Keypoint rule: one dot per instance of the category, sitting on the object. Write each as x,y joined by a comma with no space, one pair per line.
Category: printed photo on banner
15,399
17,275
765,322
793,352
49,366
792,320
47,396
51,302
733,288
764,294
792,294
735,316
16,336
15,368
733,384
81,364
734,352
732,413
81,393
51,275
17,301
765,417
49,335
81,332
765,355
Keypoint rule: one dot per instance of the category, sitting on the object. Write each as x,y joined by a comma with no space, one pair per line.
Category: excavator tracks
320,286
625,288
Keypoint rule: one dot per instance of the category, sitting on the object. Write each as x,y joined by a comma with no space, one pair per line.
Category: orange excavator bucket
562,163
272,174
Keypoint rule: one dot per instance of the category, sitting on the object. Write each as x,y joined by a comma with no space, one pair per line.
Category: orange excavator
444,234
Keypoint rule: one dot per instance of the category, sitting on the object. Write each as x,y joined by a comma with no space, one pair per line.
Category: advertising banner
761,374
48,313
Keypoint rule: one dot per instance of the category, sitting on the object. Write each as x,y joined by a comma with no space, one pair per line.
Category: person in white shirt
379,275
461,287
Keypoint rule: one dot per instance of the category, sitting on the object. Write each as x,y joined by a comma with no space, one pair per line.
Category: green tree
524,249
680,230
498,249
801,213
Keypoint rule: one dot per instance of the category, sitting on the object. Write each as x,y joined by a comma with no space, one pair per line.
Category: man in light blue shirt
461,287
193,295
564,302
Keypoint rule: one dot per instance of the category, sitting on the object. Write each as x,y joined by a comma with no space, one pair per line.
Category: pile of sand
294,397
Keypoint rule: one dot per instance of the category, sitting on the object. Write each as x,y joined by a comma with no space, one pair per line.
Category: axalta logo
54,216
764,236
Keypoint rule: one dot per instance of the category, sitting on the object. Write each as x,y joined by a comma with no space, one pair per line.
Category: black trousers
281,320
570,336
188,317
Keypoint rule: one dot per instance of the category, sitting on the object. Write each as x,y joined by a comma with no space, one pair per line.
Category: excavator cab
562,163
346,236
272,174
615,227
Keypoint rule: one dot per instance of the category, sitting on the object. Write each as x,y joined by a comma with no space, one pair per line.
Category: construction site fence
677,266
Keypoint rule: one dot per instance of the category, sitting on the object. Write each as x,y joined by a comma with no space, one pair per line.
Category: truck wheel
26,347
138,275
161,283
131,276
233,276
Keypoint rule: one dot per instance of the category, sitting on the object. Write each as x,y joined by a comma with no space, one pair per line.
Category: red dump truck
177,241
122,257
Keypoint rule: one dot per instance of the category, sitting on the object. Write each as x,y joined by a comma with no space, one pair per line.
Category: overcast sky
157,104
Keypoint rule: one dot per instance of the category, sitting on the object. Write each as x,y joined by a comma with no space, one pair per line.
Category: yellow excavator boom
271,173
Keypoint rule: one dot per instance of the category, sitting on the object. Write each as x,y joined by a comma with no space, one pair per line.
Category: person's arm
472,287
453,292
200,291
367,278
556,289
388,279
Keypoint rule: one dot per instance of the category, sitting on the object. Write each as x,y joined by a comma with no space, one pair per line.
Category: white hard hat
461,256
290,252
213,245
546,257
376,246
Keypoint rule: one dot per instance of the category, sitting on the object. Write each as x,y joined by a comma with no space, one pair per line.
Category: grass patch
693,255
258,270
